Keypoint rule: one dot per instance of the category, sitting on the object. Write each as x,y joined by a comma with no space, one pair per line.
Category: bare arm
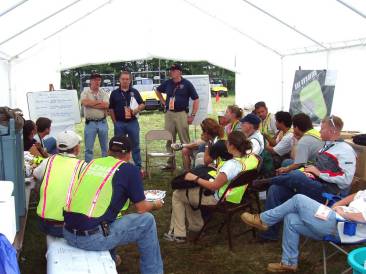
113,115
99,104
140,107
145,206
344,201
161,98
288,168
195,106
220,180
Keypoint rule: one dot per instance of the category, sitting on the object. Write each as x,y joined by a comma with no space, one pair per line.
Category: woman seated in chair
304,216
210,147
233,114
184,200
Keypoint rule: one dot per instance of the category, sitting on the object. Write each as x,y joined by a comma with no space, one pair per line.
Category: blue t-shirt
120,99
126,184
182,91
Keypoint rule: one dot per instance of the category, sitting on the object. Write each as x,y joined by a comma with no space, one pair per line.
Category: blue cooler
356,259
12,164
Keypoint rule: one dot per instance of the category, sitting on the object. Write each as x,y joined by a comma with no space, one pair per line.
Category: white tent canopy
264,42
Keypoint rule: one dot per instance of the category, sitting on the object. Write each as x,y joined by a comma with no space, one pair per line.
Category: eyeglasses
332,121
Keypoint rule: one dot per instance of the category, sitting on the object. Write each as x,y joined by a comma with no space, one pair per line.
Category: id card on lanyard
126,108
172,99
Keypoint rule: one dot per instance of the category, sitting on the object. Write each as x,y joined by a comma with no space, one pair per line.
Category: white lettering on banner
304,81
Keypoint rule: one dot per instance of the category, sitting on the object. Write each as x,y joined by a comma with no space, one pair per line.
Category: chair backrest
158,134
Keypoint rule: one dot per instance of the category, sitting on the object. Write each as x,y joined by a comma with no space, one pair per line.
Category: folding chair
228,209
154,136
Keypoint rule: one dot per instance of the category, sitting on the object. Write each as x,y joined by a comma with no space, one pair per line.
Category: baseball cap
67,139
120,144
251,118
95,75
176,67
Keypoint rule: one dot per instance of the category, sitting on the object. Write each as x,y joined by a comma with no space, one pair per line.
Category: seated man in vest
268,123
93,216
250,128
332,172
58,174
308,145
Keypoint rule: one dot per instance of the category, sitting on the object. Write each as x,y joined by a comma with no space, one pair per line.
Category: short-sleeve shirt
94,113
120,99
219,149
306,149
181,92
126,184
231,168
284,146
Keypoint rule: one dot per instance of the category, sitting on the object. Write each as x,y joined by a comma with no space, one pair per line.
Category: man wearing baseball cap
105,189
178,91
57,175
250,127
96,103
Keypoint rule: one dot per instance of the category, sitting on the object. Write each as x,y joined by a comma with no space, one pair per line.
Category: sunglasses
332,121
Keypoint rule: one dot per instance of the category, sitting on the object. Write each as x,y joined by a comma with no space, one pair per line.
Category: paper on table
153,195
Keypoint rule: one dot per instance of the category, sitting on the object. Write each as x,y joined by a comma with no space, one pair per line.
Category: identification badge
127,113
171,103
323,212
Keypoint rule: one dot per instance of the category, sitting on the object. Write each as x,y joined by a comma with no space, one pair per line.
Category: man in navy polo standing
177,120
125,103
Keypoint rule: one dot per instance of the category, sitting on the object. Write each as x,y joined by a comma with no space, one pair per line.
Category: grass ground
210,255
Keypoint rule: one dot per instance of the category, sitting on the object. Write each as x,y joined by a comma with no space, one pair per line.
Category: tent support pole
12,7
9,83
282,84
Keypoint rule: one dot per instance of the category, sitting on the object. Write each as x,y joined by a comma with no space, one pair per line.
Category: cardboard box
361,160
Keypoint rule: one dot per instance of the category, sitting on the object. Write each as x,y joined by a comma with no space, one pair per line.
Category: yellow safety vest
265,126
314,133
61,174
93,192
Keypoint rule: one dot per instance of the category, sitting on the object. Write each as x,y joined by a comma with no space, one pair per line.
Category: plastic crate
356,259
12,165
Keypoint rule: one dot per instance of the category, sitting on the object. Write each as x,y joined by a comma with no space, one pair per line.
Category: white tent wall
4,83
349,95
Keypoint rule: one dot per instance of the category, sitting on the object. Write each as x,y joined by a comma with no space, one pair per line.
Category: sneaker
171,238
167,168
253,220
176,147
280,267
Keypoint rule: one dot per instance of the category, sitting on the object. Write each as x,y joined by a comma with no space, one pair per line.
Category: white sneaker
171,238
176,147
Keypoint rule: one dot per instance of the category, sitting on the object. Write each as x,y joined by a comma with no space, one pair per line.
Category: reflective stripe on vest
61,186
314,133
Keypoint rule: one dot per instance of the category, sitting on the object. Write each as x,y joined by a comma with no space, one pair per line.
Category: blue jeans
285,186
298,215
132,130
92,129
51,145
131,228
287,162
50,229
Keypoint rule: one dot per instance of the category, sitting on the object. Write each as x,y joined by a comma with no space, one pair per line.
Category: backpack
7,113
359,139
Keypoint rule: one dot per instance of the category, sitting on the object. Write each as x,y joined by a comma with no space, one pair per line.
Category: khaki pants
176,122
181,210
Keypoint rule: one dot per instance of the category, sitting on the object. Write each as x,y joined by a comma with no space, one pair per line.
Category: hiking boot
280,267
261,184
253,220
176,147
171,238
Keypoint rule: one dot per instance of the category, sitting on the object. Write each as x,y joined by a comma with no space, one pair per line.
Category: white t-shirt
257,141
284,146
358,205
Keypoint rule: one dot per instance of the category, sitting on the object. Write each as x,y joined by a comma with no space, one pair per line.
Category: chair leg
228,227
202,230
324,258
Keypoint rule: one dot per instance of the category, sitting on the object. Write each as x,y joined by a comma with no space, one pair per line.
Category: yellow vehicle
146,87
218,88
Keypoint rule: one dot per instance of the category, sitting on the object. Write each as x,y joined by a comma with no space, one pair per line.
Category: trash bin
12,164
357,259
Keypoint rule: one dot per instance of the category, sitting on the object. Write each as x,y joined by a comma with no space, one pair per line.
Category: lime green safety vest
61,174
235,194
265,126
93,192
314,133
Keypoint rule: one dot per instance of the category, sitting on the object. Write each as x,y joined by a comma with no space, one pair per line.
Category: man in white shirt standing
96,103
250,128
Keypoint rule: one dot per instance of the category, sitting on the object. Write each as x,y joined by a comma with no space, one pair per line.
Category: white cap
67,140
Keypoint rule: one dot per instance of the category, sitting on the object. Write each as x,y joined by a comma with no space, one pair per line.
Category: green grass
210,255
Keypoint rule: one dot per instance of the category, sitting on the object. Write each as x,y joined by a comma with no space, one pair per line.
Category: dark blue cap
251,118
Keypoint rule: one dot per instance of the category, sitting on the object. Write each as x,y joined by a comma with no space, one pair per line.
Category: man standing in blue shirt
125,103
178,91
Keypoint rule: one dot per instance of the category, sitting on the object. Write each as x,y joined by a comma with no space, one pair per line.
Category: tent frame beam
285,24
352,8
12,7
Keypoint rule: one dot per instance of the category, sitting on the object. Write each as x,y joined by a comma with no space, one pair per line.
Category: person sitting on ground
221,118
233,115
308,145
55,189
268,123
31,144
242,160
285,138
249,126
43,130
93,215
210,147
299,215
332,172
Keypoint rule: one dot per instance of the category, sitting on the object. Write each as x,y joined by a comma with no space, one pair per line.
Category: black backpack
7,113
359,139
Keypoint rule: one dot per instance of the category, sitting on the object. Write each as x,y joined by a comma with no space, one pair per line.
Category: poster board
202,85
61,106
312,93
